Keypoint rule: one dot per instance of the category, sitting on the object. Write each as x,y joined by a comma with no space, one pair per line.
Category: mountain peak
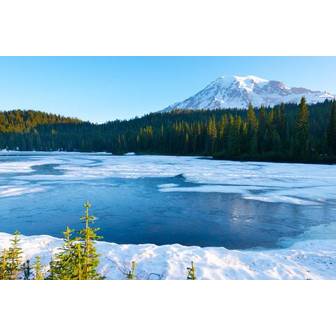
242,81
239,91
239,78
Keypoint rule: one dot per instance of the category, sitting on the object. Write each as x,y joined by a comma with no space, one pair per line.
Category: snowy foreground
305,260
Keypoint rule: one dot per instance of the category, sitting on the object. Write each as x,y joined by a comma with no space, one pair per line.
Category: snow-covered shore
310,259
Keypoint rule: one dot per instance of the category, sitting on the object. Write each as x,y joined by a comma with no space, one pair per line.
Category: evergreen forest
288,133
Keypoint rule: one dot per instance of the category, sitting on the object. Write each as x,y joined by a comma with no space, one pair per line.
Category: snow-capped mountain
238,92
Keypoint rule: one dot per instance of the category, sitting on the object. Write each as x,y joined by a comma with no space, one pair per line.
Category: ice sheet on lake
167,186
280,199
303,184
9,191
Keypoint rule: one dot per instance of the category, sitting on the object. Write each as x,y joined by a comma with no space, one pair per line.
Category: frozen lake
165,200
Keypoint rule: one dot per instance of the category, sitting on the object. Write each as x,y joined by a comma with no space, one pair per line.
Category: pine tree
251,117
63,263
252,124
212,134
4,265
14,257
261,129
331,132
301,141
282,122
234,145
78,258
38,274
90,255
77,271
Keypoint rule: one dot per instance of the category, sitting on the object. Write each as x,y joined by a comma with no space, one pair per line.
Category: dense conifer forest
289,132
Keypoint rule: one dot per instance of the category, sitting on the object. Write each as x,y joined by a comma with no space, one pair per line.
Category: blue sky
107,88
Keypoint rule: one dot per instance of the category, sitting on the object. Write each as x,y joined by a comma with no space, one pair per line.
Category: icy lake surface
166,200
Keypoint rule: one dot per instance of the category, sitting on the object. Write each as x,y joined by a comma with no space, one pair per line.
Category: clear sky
107,88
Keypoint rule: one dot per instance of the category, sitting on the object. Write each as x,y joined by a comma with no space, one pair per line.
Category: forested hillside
289,132
19,121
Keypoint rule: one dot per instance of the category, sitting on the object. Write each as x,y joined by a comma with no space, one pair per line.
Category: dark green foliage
289,132
301,131
331,132
26,270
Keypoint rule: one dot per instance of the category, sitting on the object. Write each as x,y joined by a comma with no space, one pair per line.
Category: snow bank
311,259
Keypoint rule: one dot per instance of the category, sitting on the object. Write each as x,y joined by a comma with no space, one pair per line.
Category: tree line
288,132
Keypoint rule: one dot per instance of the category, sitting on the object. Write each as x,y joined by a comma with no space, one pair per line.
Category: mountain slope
238,92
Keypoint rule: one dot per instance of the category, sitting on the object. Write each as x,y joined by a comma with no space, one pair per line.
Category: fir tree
261,129
78,258
88,236
77,271
63,264
252,129
302,130
331,132
4,265
38,274
282,123
14,257
251,118
212,134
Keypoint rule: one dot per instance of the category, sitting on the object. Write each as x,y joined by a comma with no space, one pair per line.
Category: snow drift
305,260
